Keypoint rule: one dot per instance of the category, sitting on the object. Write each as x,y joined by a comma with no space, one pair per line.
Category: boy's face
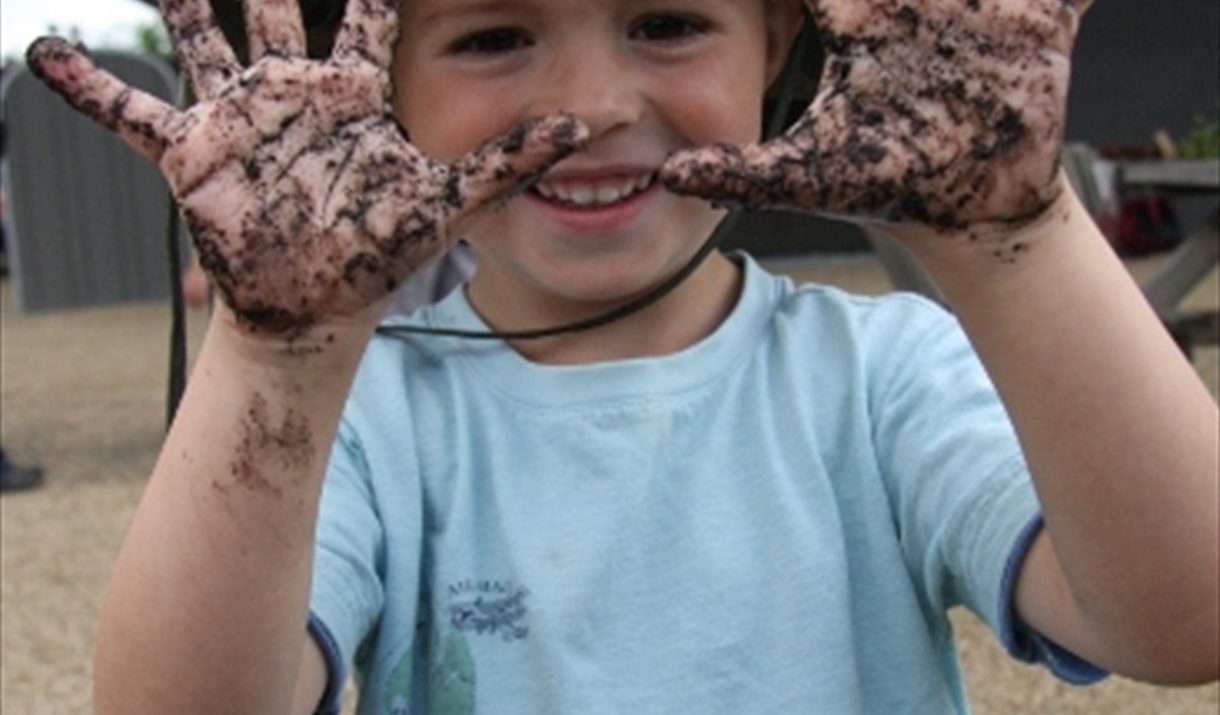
646,76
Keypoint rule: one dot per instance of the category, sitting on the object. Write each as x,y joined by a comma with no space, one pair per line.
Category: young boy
742,498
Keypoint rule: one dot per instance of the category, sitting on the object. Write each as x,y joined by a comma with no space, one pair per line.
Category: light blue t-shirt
775,520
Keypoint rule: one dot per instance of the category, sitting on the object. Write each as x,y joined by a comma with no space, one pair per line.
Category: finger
274,27
842,16
136,117
207,59
770,175
507,165
369,31
1078,8
1082,6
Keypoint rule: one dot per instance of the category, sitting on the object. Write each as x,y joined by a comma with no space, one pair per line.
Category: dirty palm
307,201
304,197
946,113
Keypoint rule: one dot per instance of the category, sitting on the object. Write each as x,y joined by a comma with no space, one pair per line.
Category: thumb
751,176
507,165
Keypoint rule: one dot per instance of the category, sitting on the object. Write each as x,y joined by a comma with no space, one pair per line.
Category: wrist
312,370
986,251
335,341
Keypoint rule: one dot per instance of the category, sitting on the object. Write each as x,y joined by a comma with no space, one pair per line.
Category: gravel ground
83,394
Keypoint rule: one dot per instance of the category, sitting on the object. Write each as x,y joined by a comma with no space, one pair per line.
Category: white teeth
593,193
581,196
608,194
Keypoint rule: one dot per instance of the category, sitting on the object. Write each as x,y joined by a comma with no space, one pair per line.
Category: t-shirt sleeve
964,505
1026,644
347,590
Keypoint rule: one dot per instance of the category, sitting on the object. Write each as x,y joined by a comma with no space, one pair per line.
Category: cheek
704,122
436,122
446,130
721,105
445,127
443,119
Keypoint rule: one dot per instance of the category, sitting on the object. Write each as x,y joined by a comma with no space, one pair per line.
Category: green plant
1201,141
152,38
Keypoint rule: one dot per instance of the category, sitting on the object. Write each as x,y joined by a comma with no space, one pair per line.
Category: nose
593,82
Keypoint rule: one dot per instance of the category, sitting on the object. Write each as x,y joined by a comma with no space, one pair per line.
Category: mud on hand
947,113
304,197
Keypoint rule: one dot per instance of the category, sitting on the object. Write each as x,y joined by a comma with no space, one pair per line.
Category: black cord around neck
597,321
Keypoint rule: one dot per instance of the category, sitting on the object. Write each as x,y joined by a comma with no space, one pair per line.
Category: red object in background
1146,225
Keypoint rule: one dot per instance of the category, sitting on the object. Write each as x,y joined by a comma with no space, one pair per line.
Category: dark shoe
15,479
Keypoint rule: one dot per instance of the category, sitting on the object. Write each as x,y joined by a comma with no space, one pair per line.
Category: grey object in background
88,215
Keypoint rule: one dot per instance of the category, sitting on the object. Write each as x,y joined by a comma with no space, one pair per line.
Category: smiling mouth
592,194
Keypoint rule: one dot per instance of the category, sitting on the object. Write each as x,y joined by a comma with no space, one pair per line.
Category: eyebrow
457,8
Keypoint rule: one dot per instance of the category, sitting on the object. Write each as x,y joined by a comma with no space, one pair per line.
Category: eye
667,28
495,41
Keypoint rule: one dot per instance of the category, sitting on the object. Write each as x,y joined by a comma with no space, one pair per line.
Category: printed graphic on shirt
489,608
472,609
451,679
398,688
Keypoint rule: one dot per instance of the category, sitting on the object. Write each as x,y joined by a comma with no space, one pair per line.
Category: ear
784,21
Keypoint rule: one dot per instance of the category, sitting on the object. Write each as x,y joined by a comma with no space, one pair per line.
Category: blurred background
87,307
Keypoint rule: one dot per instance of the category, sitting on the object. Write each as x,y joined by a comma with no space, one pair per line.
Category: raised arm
942,121
308,207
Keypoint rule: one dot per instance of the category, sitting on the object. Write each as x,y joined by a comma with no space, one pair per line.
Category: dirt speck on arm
272,450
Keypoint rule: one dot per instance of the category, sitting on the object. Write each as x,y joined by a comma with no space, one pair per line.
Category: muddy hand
305,199
947,113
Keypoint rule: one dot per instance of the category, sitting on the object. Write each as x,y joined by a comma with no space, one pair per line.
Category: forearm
1119,433
208,604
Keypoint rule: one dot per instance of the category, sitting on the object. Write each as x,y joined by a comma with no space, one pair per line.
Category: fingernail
46,48
561,133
